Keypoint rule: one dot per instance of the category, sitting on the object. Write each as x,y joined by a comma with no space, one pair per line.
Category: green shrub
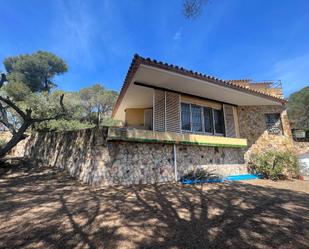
61,125
275,165
199,174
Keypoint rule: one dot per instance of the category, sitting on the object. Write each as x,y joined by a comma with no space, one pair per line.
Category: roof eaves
201,76
131,71
138,60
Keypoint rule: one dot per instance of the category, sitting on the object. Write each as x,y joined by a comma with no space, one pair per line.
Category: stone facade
88,156
253,127
18,150
301,147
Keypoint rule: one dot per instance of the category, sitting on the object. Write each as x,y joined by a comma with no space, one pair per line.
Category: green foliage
35,70
200,174
97,102
62,125
275,165
298,109
17,90
44,105
108,121
29,84
29,80
83,110
92,107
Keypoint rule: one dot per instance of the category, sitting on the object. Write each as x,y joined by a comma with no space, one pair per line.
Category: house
173,121
217,123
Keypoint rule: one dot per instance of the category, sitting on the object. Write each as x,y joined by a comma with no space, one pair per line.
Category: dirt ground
44,208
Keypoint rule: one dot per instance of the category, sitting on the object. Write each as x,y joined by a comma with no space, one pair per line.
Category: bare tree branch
4,119
57,116
193,8
61,103
38,120
2,79
15,107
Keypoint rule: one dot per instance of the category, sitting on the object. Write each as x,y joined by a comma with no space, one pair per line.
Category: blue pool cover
242,177
227,178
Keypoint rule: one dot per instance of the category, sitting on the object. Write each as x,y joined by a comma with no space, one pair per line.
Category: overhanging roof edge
138,60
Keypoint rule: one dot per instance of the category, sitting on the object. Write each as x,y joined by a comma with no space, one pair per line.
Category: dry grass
44,208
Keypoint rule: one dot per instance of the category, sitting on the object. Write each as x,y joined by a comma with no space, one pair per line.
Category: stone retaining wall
88,156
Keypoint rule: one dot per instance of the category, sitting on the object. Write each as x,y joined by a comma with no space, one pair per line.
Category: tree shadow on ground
45,208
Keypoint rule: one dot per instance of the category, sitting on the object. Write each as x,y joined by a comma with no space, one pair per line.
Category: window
185,117
218,121
273,123
196,118
208,120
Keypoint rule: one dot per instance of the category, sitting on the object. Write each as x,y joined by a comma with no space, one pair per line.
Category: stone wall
88,156
253,127
301,147
218,160
19,149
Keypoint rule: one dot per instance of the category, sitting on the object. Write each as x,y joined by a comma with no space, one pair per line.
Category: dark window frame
213,129
211,119
193,123
222,119
271,126
181,117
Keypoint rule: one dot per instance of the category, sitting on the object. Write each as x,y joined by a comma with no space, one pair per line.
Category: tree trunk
99,118
17,137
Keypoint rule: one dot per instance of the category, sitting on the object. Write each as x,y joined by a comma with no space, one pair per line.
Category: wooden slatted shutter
172,112
159,110
230,127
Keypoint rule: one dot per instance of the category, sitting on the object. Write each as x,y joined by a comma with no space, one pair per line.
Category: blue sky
231,39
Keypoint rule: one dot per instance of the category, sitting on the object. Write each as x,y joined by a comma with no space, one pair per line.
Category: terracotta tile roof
138,60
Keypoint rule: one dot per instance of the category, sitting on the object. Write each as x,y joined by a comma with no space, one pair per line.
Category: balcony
146,136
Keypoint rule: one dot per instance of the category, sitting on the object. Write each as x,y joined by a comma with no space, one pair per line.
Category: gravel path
44,208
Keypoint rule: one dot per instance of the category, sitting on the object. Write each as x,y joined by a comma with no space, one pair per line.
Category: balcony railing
273,87
135,135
